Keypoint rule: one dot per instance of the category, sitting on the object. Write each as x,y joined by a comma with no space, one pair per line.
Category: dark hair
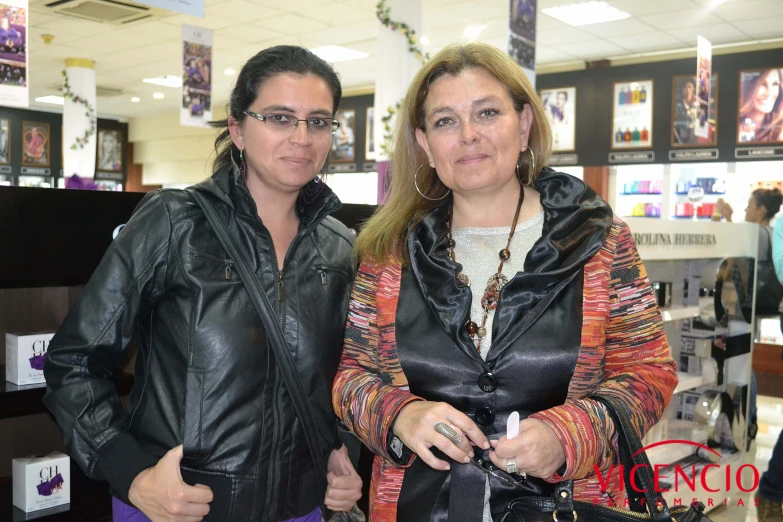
564,93
771,199
260,68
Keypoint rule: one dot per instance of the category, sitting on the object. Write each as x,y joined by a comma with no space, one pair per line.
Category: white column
81,160
396,65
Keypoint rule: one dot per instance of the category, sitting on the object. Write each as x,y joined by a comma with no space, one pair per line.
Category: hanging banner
522,35
196,97
13,53
704,78
188,7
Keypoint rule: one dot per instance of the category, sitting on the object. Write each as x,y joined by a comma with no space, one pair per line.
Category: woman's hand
344,484
161,494
415,426
536,450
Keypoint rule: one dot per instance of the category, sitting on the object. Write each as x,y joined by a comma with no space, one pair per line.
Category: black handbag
283,356
562,507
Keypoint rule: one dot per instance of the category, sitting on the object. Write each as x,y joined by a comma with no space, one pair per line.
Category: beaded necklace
495,284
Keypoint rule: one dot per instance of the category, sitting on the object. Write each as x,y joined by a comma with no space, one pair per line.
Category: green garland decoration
382,11
89,112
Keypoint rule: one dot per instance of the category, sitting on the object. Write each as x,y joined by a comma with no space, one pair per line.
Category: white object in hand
512,425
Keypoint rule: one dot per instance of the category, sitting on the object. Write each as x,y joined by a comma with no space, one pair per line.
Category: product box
24,357
686,405
42,482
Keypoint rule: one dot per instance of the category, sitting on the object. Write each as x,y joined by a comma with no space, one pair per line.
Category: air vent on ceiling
106,11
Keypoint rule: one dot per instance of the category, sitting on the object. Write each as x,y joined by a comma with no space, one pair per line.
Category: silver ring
511,467
448,432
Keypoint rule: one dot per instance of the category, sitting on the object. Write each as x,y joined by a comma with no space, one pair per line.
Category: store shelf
689,382
640,193
706,218
17,401
667,454
679,312
706,193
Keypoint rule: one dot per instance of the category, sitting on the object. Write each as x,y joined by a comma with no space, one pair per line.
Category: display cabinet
700,272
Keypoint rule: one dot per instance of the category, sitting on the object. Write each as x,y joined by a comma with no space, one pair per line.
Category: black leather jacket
205,376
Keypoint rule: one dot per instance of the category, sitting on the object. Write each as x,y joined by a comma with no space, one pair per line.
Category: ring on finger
449,432
511,467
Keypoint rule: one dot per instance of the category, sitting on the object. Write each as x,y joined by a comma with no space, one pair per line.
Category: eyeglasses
486,465
286,122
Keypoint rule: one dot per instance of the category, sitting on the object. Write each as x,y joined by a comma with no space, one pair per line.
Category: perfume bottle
618,138
635,95
643,96
636,136
627,136
645,134
621,98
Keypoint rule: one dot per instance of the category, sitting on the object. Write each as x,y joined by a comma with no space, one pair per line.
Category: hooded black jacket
205,376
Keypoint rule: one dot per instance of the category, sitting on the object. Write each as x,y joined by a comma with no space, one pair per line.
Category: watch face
396,446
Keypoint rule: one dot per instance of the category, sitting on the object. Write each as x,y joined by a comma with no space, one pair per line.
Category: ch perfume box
24,357
42,482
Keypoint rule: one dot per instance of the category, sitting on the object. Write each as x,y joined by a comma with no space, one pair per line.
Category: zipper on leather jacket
229,264
280,287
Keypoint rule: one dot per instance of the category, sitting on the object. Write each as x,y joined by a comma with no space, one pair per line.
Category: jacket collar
316,200
576,224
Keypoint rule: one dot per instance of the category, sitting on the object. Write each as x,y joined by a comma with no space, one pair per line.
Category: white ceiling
126,54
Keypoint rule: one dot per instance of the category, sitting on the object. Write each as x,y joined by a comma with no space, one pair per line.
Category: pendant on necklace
492,293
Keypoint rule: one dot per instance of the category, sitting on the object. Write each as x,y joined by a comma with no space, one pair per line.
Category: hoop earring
416,184
532,165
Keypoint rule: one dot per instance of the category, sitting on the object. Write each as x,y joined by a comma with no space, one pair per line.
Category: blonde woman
490,285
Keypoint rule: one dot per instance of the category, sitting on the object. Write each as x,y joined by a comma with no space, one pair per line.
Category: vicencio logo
686,480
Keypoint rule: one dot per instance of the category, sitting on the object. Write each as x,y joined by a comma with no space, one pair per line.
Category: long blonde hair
384,236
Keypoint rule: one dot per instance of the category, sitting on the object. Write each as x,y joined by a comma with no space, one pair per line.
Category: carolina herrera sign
652,239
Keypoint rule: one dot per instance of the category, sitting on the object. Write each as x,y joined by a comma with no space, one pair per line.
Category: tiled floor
770,423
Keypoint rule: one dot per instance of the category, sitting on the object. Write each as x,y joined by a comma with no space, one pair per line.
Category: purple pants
122,512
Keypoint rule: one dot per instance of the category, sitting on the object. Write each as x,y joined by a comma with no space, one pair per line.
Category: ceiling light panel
586,13
55,100
336,53
165,81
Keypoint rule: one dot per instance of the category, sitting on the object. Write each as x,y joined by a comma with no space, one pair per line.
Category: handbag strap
275,334
634,461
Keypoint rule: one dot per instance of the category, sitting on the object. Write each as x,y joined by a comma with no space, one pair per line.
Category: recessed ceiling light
473,31
56,100
135,99
425,40
229,72
336,53
586,13
158,95
166,81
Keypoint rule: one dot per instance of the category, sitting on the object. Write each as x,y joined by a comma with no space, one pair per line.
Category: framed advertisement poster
5,142
369,142
560,108
632,110
35,144
760,106
344,139
109,156
693,123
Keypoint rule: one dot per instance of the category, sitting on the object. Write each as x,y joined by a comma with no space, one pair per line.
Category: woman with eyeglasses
210,431
490,286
